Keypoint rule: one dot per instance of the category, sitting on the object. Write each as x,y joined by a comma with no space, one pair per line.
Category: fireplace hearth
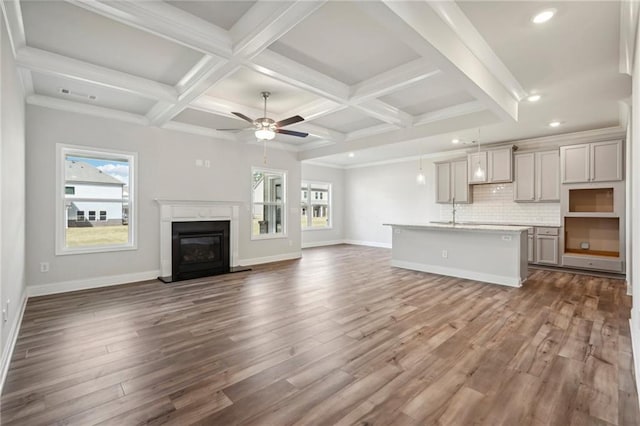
199,249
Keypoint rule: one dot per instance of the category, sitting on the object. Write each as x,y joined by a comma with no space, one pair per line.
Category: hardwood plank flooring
338,337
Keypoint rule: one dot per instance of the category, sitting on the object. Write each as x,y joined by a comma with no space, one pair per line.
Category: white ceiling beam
421,28
197,72
267,21
450,112
393,80
15,26
198,130
53,64
165,21
454,17
81,108
370,131
628,30
316,109
385,112
288,71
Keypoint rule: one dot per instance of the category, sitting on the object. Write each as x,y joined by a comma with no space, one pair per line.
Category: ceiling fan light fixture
265,134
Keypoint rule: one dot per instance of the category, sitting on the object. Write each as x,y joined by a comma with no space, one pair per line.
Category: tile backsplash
493,203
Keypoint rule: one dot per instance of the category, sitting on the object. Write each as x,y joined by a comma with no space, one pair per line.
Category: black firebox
199,249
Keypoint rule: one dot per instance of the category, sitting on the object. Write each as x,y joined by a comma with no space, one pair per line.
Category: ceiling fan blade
244,117
292,133
290,120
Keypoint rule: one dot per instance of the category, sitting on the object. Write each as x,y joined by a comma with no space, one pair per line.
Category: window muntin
315,210
268,203
95,215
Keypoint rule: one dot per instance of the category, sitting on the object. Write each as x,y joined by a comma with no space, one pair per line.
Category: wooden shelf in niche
592,200
601,235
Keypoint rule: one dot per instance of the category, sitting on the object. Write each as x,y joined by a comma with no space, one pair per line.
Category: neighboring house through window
95,200
315,210
268,203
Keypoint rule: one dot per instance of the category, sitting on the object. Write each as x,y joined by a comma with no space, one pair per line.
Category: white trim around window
280,200
62,152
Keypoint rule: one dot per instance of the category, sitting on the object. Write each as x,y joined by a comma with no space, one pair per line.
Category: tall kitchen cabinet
452,182
537,176
593,206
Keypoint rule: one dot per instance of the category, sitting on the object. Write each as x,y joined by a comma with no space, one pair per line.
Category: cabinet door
574,163
524,185
606,161
443,182
530,252
460,184
548,176
547,249
500,165
474,160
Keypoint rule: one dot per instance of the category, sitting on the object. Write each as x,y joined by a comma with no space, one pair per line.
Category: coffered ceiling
382,79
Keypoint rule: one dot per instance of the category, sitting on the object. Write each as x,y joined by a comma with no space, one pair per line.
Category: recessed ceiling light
455,140
543,16
351,155
554,124
533,98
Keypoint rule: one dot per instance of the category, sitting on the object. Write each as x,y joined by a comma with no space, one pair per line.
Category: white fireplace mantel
192,211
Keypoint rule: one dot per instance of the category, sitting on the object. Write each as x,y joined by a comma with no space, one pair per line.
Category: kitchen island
490,253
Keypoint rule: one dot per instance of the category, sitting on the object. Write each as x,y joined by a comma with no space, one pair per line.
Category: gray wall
12,187
166,170
387,194
335,177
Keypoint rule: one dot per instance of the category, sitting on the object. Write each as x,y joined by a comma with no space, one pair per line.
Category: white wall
12,193
387,194
166,170
335,235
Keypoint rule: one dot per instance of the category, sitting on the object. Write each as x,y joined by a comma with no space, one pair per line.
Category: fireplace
199,249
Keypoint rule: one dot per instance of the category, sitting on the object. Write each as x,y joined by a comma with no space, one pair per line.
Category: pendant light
420,178
479,173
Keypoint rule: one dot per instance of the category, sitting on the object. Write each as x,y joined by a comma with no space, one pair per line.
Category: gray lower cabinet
547,250
452,182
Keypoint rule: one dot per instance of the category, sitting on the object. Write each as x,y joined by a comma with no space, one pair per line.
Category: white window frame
309,202
283,204
62,151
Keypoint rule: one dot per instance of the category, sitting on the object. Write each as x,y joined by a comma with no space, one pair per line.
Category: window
315,212
268,203
94,185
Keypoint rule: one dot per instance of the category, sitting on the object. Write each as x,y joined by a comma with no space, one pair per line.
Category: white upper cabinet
451,182
591,162
548,176
524,185
496,165
475,160
499,165
537,176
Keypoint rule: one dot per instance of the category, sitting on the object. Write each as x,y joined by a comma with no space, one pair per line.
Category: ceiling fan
266,128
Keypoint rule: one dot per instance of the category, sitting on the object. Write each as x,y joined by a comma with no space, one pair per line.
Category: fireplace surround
202,212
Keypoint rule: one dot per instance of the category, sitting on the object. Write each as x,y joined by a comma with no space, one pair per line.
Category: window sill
327,228
268,237
88,250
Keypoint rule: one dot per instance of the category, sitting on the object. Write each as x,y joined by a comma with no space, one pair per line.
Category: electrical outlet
445,254
198,163
44,266
207,163
5,311
506,238
290,243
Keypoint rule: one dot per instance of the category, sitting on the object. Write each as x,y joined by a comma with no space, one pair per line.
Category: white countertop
461,227
530,224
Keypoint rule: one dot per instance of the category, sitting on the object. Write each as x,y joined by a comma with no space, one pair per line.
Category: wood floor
338,337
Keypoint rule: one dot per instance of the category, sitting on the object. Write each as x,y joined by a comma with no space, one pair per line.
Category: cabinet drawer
546,231
582,262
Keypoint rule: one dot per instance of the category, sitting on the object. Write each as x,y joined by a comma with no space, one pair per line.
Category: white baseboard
322,243
269,259
635,349
368,243
7,353
459,273
89,283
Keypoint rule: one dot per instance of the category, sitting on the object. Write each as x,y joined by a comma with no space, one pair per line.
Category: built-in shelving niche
593,236
591,200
